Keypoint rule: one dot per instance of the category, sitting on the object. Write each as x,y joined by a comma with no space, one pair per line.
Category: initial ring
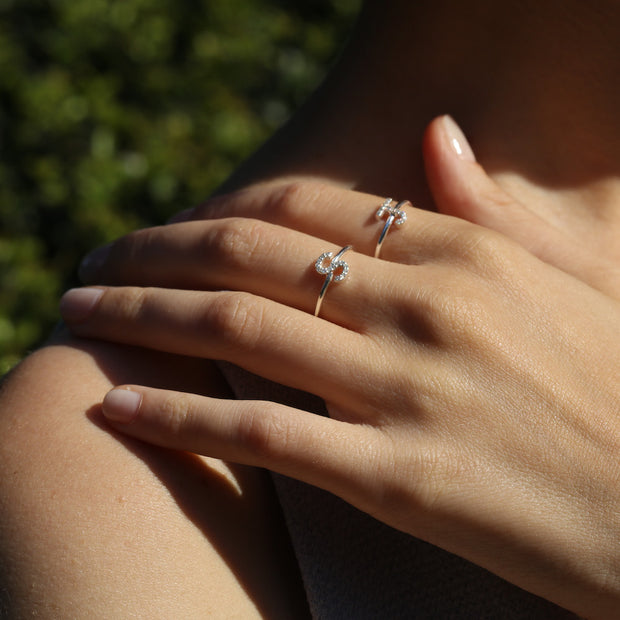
333,268
396,215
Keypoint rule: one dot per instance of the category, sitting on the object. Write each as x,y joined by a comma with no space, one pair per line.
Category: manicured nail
457,139
77,303
92,263
121,405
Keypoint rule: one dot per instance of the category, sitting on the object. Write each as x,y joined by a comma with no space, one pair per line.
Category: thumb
461,187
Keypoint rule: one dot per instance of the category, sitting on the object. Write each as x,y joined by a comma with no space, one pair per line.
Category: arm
465,408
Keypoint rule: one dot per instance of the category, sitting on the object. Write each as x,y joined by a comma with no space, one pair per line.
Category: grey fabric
356,568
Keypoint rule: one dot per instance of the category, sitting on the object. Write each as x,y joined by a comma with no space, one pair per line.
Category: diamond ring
396,216
333,268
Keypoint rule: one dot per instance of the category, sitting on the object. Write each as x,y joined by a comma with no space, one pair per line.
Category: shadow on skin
220,506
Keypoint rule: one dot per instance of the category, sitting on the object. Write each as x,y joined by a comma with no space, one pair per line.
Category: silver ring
396,215
332,268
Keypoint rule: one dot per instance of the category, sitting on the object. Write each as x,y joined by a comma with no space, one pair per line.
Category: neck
533,83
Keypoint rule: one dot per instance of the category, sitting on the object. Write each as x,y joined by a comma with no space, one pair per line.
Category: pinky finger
317,450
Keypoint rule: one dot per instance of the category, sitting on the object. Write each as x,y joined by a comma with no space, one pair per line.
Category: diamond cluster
400,217
338,268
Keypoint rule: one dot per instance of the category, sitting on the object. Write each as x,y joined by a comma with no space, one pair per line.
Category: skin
471,414
97,525
562,54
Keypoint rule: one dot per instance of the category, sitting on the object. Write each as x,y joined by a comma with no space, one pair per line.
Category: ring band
335,269
395,216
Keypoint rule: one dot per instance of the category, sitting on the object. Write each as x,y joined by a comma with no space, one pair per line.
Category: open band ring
333,268
396,216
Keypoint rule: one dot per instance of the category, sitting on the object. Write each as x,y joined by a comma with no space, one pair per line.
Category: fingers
324,211
272,261
461,188
274,341
295,443
245,255
235,222
176,255
251,222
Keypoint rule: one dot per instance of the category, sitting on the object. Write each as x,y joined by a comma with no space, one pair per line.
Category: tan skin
570,191
473,403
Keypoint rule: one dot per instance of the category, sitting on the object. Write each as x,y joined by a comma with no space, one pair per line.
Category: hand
565,229
473,389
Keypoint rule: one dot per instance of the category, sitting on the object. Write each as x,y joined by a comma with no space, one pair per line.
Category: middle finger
340,216
247,255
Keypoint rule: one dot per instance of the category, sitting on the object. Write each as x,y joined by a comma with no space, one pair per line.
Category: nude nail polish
457,139
77,303
121,405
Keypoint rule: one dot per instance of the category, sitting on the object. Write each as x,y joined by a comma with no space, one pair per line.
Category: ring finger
257,334
340,216
253,256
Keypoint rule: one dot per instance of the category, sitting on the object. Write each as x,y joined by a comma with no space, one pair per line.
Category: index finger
318,209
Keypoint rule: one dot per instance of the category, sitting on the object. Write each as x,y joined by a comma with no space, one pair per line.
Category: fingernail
78,303
457,139
121,405
92,263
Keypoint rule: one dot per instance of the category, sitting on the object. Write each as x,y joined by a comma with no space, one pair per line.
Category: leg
95,525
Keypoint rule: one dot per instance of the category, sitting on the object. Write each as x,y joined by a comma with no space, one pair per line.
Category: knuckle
480,245
177,413
487,253
294,198
467,318
132,302
236,317
238,242
445,313
458,311
461,317
434,472
265,433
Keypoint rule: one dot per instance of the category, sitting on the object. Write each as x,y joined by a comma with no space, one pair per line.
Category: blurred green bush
114,114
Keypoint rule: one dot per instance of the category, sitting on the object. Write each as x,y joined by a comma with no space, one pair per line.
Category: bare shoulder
90,521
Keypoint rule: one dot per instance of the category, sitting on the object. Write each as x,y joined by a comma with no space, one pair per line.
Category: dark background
114,114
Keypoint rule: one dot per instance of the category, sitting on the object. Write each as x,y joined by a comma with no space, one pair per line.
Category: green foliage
114,114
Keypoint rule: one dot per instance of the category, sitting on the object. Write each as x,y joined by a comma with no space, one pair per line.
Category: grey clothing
356,568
